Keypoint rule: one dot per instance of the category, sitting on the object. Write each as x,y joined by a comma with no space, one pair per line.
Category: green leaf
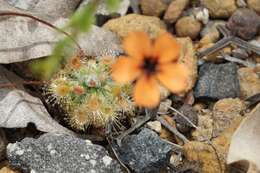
82,20
112,4
46,67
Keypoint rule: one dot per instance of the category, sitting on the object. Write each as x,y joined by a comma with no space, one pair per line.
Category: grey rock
244,23
135,6
53,153
18,108
102,7
217,81
145,152
23,39
54,9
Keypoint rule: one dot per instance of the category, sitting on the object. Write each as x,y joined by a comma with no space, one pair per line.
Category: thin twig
236,60
116,155
132,129
183,116
227,40
172,129
178,147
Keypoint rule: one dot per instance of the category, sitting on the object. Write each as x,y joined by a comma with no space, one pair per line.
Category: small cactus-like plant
88,95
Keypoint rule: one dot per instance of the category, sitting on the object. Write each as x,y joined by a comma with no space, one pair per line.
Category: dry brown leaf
17,108
245,143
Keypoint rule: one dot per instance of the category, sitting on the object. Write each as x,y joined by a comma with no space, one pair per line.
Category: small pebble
241,3
155,125
202,14
244,23
188,26
152,7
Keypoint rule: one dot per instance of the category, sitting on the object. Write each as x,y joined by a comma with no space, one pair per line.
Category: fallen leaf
245,143
17,108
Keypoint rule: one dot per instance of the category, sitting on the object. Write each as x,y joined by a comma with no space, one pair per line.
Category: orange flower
150,63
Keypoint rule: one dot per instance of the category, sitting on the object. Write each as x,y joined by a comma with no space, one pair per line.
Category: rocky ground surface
220,45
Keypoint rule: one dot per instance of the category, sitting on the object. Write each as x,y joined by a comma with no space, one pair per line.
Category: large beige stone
189,59
255,5
135,22
220,8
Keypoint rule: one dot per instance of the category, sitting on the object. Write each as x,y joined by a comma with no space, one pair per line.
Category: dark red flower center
150,65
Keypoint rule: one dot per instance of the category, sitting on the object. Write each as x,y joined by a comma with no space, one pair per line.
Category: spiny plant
88,95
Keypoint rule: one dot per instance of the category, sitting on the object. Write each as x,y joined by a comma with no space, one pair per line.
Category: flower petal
137,45
125,70
146,92
166,48
174,77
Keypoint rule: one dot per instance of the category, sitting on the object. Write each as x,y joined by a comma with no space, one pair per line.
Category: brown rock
174,10
255,5
226,111
210,34
205,126
152,7
220,9
249,82
222,142
244,23
188,27
189,59
205,155
135,22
